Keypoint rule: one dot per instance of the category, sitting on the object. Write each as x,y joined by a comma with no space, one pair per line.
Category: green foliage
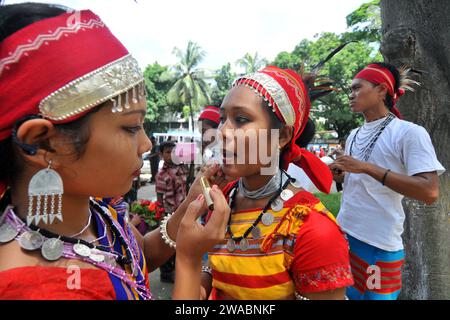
157,89
190,87
341,69
365,22
149,211
173,88
331,201
224,79
186,112
251,63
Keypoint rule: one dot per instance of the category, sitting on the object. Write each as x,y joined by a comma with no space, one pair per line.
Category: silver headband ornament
274,89
106,83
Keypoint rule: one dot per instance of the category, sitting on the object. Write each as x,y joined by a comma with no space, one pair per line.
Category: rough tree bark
417,33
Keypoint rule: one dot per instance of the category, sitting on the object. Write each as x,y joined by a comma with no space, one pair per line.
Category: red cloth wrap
210,113
56,55
377,75
41,71
51,283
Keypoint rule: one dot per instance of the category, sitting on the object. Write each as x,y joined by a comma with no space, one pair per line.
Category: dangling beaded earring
45,184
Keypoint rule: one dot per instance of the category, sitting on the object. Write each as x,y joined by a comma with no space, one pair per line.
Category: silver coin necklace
265,217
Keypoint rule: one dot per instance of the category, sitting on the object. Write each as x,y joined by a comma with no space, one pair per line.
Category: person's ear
37,133
382,90
286,134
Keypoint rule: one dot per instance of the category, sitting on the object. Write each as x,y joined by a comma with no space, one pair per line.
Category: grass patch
331,201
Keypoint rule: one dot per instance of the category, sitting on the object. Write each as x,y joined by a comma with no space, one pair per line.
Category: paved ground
160,290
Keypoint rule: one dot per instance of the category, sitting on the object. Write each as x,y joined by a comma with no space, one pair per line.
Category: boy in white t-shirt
385,159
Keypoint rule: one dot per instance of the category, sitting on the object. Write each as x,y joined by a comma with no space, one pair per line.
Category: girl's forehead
240,97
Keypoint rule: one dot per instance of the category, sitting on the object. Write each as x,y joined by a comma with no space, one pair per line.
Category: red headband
41,58
377,75
61,68
210,113
285,92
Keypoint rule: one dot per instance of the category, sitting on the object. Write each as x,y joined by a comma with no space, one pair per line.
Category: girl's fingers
221,213
195,209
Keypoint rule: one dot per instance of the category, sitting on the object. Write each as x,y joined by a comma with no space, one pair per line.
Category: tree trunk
191,114
417,33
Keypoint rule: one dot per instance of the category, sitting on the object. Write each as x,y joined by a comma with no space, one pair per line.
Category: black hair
166,145
13,18
307,135
389,101
210,123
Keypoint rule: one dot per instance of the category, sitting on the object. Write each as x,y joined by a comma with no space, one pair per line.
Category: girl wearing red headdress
72,105
281,242
385,159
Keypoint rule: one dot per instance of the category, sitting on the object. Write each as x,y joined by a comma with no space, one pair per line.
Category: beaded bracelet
298,296
385,175
207,270
165,235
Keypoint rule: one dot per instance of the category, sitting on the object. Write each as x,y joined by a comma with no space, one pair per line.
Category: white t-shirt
371,212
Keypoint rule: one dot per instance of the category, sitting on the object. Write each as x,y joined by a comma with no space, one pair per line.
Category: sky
226,30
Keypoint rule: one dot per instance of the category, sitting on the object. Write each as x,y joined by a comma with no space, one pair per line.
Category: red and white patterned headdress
285,92
62,67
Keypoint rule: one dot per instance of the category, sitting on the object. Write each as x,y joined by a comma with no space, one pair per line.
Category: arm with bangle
159,244
423,186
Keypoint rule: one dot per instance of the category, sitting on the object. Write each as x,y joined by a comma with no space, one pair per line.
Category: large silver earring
45,185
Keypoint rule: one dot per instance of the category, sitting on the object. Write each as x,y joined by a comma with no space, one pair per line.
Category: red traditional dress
303,251
55,282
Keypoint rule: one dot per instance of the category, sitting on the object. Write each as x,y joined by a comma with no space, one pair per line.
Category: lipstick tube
206,188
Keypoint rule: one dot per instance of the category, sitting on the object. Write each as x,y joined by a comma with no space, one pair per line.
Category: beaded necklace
365,152
97,256
266,217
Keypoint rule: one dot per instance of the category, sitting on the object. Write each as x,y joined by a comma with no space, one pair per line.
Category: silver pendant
45,185
286,194
256,233
81,249
243,244
267,219
52,249
7,233
231,245
31,240
277,205
97,257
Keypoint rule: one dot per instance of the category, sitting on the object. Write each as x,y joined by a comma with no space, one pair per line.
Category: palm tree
251,63
189,88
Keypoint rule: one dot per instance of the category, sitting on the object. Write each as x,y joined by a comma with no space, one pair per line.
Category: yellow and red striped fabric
255,274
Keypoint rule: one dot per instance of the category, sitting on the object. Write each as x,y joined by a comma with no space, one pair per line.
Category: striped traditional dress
303,250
